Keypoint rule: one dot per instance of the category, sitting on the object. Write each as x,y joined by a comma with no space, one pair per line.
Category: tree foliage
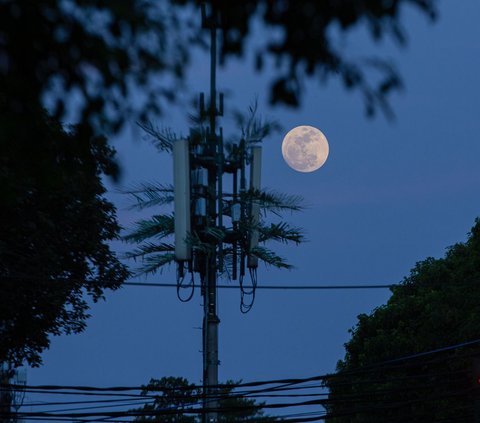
436,306
299,40
176,400
90,56
54,233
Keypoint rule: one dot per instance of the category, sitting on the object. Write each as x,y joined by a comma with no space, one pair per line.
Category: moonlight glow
305,148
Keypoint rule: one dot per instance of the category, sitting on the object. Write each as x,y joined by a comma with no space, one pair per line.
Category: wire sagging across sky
306,394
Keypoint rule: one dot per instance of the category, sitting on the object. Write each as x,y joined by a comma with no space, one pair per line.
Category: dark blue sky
390,194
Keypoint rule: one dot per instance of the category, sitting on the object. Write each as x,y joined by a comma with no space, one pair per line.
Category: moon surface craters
305,148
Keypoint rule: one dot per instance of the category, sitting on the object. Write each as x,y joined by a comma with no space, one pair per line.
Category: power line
392,404
266,287
321,399
196,397
102,401
223,286
282,382
365,398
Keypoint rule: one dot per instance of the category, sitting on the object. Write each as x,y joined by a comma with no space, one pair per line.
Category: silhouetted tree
298,42
175,400
88,56
91,56
54,233
435,307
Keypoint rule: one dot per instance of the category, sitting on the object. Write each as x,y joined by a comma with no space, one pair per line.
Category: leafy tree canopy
299,42
436,306
175,397
91,55
54,233
88,55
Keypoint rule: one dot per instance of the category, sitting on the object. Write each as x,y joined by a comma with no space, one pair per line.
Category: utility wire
97,407
267,287
200,410
223,286
361,399
290,381
358,400
102,401
365,396
252,394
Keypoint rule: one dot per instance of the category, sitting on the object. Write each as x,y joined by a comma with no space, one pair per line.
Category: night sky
390,194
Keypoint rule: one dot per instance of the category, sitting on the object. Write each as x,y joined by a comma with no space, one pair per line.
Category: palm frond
148,194
155,263
254,128
259,129
275,202
197,120
152,256
281,232
158,226
228,263
270,258
161,138
149,248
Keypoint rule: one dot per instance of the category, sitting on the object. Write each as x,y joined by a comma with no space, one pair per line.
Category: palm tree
152,235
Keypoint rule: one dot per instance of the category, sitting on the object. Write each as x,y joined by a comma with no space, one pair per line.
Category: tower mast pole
211,320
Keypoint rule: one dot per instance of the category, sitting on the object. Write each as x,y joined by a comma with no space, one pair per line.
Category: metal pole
211,320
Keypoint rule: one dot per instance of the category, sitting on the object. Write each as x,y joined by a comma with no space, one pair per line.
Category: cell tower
208,219
218,220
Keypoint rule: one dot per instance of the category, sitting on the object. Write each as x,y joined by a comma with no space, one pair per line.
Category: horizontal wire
318,416
222,286
266,287
200,410
48,403
97,407
286,386
171,411
284,382
58,391
363,397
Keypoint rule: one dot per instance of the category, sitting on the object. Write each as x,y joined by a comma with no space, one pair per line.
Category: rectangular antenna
255,173
181,183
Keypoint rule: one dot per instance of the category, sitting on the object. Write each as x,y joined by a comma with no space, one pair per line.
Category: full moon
305,148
